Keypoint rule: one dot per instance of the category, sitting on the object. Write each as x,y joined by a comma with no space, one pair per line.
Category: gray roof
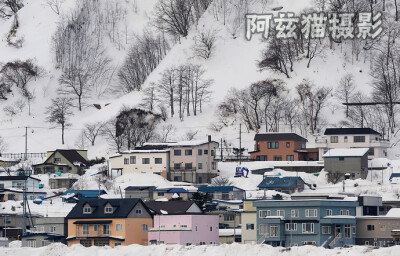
171,207
278,136
344,131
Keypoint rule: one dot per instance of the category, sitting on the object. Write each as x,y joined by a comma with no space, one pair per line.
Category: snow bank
225,249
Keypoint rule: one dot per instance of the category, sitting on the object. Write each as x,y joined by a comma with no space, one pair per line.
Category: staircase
334,241
262,238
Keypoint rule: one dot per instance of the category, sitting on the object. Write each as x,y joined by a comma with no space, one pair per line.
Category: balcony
380,143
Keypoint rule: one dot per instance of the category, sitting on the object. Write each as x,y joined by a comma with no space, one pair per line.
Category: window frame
288,228
308,211
119,227
326,227
334,139
177,152
304,229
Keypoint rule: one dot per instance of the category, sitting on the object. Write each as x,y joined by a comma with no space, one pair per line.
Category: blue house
224,192
326,223
286,185
73,196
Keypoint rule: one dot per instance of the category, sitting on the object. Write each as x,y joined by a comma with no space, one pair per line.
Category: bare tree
8,8
149,99
59,112
166,130
3,145
345,90
221,181
91,131
55,5
110,133
189,135
204,43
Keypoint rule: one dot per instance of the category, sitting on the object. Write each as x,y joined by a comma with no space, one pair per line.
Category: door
338,229
53,185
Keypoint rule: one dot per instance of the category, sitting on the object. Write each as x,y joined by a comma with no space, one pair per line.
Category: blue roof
217,188
394,175
85,193
278,182
172,190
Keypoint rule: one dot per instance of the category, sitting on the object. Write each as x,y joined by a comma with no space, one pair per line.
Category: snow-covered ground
175,250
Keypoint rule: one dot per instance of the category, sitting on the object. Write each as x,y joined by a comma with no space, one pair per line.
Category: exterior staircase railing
334,241
262,238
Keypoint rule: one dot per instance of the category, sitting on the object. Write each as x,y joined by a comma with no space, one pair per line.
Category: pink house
193,229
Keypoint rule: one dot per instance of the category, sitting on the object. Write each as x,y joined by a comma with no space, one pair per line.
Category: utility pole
24,209
222,157
240,144
26,143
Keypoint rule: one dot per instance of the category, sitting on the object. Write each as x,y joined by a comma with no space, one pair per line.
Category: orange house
109,222
282,147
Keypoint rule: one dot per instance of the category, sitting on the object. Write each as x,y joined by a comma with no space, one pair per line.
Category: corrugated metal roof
279,136
343,131
279,182
217,188
85,193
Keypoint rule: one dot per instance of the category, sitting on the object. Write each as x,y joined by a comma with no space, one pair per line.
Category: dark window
145,160
188,152
250,226
199,152
56,160
126,160
359,138
370,227
288,144
334,139
133,159
346,139
214,165
158,160
290,158
261,158
200,166
277,158
188,166
160,193
177,166
177,152
371,151
229,217
212,153
274,144
341,158
205,151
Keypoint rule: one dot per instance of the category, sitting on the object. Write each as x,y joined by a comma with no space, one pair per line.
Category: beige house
353,138
249,222
379,230
146,159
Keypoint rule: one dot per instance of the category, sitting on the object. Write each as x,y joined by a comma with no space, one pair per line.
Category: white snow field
178,250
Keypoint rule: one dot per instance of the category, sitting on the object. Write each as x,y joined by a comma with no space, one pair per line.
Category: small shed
286,185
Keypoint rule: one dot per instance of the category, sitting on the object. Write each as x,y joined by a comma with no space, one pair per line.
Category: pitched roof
85,193
218,188
123,208
345,152
394,175
17,178
132,188
279,182
172,190
278,136
344,131
171,207
72,156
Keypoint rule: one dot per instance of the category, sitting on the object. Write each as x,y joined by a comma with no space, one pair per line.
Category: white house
353,138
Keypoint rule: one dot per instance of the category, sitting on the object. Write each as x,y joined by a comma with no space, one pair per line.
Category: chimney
209,138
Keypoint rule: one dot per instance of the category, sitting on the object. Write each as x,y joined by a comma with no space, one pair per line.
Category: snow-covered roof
337,152
394,212
230,232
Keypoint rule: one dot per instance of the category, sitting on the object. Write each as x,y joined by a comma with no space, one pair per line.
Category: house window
264,213
277,158
87,210
53,229
249,226
291,226
205,151
160,193
229,217
341,158
294,213
309,243
344,212
328,212
311,212
290,158
126,160
326,229
261,158
353,227
199,152
188,166
138,211
273,145
366,242
359,138
274,230
31,243
211,228
308,227
262,229
45,243
145,227
202,243
158,160
85,229
133,159
118,227
177,152
96,227
106,229
117,244
177,166
345,139
108,210
200,166
334,139
57,160
188,244
347,231
288,144
225,195
370,227
213,165
371,151
280,213
188,152
196,228
146,160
